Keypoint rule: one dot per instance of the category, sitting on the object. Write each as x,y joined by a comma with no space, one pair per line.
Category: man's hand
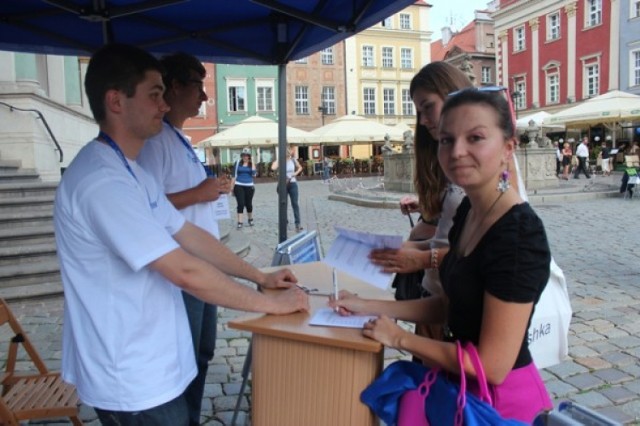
211,188
282,278
289,301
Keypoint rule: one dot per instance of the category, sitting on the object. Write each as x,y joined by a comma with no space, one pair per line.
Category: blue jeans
172,413
326,171
202,321
292,190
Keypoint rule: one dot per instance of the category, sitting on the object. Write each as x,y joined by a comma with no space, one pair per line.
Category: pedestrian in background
582,152
556,145
244,170
605,155
567,154
293,169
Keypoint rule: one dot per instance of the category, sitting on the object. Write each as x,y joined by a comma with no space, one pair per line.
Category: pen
335,285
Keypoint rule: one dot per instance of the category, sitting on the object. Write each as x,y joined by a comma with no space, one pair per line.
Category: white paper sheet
221,207
327,317
350,253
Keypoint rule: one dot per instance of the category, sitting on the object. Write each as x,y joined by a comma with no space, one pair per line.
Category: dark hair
441,79
116,67
178,65
494,100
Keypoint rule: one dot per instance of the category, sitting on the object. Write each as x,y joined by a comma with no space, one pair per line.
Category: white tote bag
548,341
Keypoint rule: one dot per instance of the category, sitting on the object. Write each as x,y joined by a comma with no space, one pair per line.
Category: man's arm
207,283
203,245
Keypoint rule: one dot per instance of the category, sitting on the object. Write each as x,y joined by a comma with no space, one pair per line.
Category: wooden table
310,375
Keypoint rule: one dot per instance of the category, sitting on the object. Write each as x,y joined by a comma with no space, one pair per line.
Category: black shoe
250,222
239,225
299,228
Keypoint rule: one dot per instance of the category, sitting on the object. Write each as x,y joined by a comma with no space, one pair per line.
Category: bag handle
471,350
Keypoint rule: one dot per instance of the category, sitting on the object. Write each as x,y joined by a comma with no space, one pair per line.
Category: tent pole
282,152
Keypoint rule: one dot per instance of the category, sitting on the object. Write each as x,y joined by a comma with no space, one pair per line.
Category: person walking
556,145
244,170
567,154
171,160
293,169
582,152
605,156
126,253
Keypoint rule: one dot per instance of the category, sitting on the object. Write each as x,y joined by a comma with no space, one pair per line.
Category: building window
553,89
486,75
301,61
592,80
518,39
73,81
553,26
520,87
389,101
237,91
327,56
386,22
367,56
406,58
369,100
387,57
264,95
635,68
302,100
594,12
405,21
407,103
635,9
329,100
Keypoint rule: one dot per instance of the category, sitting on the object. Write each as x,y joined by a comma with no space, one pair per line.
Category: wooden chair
26,395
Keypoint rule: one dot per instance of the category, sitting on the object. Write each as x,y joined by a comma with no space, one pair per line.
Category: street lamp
515,95
323,112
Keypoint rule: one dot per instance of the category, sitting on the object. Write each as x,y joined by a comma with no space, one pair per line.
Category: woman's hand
348,304
409,204
401,260
384,330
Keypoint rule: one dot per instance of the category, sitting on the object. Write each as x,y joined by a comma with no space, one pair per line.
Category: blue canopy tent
266,32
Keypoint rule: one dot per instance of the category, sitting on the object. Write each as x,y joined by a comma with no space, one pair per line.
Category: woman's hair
495,100
439,78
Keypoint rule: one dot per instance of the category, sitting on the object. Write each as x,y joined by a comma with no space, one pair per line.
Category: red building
551,53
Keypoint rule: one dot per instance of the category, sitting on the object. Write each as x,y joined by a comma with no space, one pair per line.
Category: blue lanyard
192,154
116,148
118,151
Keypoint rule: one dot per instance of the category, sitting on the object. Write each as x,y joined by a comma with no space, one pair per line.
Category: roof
465,40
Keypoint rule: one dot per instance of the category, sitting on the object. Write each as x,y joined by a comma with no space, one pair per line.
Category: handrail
44,121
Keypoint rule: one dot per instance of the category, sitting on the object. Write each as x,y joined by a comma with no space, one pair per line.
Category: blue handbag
407,393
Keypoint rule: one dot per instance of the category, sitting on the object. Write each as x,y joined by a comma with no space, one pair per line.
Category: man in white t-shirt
171,160
582,152
125,253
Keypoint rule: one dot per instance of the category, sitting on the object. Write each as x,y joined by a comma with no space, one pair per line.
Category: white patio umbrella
398,131
611,107
354,129
538,119
256,131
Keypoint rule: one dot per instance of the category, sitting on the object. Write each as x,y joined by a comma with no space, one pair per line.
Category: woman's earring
503,183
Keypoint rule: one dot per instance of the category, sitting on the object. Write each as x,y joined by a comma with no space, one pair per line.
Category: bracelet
434,258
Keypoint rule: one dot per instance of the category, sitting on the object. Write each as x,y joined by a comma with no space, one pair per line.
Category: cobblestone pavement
595,242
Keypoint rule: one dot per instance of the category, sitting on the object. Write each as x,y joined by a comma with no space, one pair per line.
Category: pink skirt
522,395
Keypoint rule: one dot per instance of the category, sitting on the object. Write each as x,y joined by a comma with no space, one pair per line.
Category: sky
460,12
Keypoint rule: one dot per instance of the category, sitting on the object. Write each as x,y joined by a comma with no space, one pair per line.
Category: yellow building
380,63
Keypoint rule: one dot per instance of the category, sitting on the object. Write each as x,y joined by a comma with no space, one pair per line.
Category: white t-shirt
291,169
126,342
174,169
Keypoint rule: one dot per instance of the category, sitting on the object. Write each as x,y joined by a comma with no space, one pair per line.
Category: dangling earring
503,183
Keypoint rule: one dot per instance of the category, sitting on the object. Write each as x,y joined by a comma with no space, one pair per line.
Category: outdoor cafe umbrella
272,32
256,131
355,129
538,119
